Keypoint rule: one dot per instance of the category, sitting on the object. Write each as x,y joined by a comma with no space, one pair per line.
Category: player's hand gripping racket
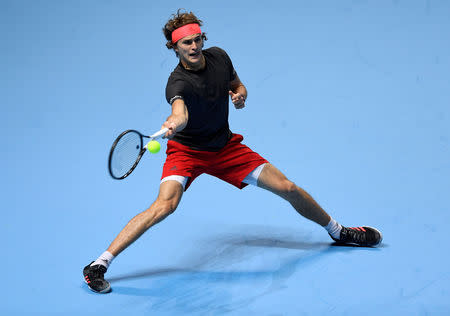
127,151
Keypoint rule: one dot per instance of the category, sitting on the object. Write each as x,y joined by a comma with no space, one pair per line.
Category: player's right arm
177,121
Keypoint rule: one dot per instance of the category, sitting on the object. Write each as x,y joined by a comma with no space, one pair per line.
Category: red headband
184,31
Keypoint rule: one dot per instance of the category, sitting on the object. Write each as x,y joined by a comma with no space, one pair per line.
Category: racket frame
155,136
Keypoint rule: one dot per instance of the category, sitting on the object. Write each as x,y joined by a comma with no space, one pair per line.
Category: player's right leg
169,197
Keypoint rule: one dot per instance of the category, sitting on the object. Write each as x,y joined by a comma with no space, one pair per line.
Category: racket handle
159,134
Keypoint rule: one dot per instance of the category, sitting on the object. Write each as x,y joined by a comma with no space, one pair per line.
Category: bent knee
164,207
167,206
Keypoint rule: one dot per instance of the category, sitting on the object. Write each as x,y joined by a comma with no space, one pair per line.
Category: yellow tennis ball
153,146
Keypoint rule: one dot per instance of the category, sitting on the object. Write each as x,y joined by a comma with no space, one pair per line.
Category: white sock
105,259
334,228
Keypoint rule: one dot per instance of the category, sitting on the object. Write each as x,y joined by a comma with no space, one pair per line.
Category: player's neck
194,67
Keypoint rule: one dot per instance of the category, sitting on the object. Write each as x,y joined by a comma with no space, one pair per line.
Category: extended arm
178,119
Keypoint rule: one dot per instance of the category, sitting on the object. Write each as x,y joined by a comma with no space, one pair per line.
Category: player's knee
157,212
170,207
165,207
288,187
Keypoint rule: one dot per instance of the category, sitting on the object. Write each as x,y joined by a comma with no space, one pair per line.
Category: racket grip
159,134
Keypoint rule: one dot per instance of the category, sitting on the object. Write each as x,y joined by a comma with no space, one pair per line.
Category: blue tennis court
349,99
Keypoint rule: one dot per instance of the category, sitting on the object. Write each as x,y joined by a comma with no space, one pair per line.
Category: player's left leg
276,182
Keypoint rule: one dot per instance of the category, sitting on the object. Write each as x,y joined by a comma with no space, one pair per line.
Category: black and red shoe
94,276
361,236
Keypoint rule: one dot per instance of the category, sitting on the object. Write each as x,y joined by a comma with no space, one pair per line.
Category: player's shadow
231,250
206,279
231,247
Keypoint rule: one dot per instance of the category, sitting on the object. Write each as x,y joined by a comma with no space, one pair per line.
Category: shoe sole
107,290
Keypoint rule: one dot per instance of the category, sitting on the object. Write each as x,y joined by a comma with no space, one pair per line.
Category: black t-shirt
205,93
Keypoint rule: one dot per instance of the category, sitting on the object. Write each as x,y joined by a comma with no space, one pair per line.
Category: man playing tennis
201,142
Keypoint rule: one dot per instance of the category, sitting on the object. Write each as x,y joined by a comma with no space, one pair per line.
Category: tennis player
198,91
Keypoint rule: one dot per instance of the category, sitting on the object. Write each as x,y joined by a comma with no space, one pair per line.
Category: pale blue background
349,98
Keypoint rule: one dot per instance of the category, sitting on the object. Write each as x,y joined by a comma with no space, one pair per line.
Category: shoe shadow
376,248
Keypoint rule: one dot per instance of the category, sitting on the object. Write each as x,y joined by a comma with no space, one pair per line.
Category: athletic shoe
361,236
94,276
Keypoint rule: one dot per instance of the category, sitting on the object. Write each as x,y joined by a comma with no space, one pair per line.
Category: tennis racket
127,150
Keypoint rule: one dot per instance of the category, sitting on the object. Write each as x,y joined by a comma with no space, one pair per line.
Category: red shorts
231,164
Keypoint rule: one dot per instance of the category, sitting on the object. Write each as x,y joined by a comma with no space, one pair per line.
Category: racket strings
125,154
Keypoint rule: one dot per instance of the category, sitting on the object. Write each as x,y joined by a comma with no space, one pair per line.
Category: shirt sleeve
175,89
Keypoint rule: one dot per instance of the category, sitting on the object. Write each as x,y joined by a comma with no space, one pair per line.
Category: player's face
189,50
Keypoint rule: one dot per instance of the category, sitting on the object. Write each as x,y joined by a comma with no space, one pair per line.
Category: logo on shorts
173,168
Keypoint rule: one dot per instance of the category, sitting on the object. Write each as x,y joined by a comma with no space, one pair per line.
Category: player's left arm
238,93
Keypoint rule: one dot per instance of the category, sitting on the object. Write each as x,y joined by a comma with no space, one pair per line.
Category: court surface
350,99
